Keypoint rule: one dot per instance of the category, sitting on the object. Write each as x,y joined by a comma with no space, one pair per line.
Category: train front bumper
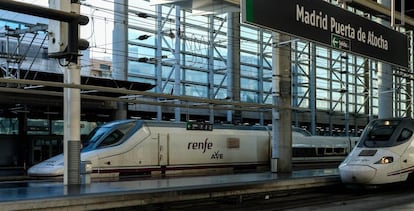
357,174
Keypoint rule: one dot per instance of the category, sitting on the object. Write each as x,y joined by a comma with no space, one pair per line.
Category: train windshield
93,136
385,133
108,135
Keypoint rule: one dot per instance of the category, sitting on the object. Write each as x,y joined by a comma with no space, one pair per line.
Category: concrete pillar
177,65
385,82
71,132
158,54
282,117
312,87
71,99
120,51
120,40
211,35
233,64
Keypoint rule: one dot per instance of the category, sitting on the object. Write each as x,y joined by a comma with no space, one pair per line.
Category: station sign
340,42
327,24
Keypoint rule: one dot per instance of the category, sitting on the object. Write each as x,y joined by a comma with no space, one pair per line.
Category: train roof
215,126
183,125
118,122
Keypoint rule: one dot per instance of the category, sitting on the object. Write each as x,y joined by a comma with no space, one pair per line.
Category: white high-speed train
137,146
384,154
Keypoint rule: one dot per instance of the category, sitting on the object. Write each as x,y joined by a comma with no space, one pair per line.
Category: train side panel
221,146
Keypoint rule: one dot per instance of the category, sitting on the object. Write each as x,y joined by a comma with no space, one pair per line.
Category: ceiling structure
203,7
408,4
376,9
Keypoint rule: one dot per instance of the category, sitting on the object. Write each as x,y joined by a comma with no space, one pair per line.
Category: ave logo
217,155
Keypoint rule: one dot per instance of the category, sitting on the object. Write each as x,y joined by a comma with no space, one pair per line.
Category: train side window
405,134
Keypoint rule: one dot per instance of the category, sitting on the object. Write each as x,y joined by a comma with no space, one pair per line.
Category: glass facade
337,83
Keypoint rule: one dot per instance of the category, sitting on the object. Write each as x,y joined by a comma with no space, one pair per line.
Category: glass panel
249,97
142,80
221,95
248,32
220,79
249,71
140,52
196,61
141,68
196,76
249,84
247,58
9,126
196,91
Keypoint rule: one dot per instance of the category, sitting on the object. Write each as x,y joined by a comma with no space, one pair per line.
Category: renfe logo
200,145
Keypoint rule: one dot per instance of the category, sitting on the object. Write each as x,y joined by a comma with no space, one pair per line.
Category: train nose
356,174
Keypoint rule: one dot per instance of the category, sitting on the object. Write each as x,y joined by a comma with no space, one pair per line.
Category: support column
261,80
371,90
120,40
367,83
158,54
120,50
346,70
233,64
71,97
312,87
282,117
177,65
211,38
330,88
408,101
385,81
71,139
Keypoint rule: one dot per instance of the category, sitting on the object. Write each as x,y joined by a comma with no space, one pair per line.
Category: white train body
384,154
134,146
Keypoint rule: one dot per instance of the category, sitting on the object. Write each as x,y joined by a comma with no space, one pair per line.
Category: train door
163,148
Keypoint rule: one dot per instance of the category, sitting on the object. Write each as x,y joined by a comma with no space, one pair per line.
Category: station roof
409,7
85,80
376,9
222,6
36,100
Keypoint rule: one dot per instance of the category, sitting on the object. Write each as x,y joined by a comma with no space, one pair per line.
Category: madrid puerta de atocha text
322,21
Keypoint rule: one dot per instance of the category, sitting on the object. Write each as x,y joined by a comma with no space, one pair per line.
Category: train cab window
405,134
112,138
379,136
116,136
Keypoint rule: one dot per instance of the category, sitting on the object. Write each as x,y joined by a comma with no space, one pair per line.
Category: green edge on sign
249,10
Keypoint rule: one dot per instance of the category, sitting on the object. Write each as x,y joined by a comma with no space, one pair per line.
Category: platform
39,195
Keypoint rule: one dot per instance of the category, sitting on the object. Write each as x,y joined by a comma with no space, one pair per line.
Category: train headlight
385,160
